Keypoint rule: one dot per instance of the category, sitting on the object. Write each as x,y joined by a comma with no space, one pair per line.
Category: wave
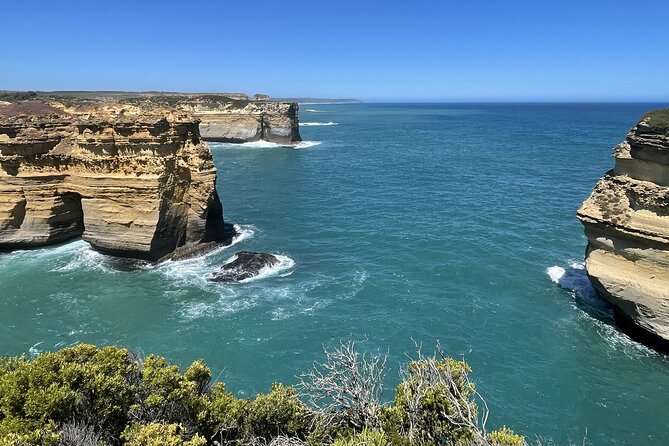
306,144
317,124
86,258
574,278
195,271
311,110
285,264
262,144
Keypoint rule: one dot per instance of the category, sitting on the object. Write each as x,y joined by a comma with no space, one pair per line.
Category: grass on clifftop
659,118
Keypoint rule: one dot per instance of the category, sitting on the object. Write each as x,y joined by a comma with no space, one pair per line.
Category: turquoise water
422,222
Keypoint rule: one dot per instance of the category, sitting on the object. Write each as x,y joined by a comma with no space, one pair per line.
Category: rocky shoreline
626,221
132,182
224,117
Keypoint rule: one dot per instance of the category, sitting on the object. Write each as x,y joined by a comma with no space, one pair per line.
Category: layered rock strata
626,220
225,117
258,120
131,182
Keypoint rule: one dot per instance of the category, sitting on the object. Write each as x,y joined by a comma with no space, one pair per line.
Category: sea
396,225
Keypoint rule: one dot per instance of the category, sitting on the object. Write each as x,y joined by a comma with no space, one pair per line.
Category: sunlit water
396,222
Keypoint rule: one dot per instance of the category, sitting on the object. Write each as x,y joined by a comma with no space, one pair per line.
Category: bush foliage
86,396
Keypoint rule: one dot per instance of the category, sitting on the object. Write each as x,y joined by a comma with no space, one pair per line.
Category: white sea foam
34,351
272,145
574,279
317,124
86,258
196,271
311,110
306,144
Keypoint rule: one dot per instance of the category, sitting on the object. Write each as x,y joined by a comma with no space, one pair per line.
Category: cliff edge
132,182
224,117
626,221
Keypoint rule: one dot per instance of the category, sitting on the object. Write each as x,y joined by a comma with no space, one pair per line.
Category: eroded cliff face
626,220
257,120
225,117
132,182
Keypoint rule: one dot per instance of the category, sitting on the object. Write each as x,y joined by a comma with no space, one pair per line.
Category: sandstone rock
259,120
626,220
245,265
132,182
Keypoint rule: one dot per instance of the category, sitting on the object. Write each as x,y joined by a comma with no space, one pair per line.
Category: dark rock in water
245,266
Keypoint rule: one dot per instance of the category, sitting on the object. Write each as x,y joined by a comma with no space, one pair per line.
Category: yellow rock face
626,220
133,183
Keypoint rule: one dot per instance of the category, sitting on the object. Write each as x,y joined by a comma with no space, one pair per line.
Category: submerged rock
244,266
626,220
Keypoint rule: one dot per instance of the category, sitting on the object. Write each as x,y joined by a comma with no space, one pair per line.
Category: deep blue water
407,222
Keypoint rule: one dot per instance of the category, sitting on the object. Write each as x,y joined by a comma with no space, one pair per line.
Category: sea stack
238,120
132,182
626,220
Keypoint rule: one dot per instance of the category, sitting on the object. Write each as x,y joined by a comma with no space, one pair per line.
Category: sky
409,50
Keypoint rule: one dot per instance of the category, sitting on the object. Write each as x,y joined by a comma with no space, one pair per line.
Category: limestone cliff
626,220
132,182
225,121
225,117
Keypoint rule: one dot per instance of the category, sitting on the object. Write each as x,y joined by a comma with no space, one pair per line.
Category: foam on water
317,124
56,251
305,144
195,271
574,279
87,259
262,144
311,110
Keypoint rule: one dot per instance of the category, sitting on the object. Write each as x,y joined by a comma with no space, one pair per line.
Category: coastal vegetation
658,119
86,396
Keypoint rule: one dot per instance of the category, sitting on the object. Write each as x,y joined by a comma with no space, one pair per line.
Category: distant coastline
313,101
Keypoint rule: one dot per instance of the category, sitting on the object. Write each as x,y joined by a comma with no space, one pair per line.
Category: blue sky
465,50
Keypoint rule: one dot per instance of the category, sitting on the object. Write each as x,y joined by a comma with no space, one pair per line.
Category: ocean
396,223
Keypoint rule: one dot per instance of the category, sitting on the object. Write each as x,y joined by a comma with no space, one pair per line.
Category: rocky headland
225,117
133,181
626,220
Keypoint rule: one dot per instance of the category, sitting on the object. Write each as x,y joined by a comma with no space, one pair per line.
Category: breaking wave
311,110
272,145
306,144
317,124
574,279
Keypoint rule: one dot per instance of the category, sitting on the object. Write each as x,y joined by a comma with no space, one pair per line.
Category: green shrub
159,434
280,412
82,383
108,395
658,119
225,414
365,438
505,437
15,432
435,393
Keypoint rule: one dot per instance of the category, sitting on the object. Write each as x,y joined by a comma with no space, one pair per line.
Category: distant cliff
225,117
243,121
626,220
132,182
